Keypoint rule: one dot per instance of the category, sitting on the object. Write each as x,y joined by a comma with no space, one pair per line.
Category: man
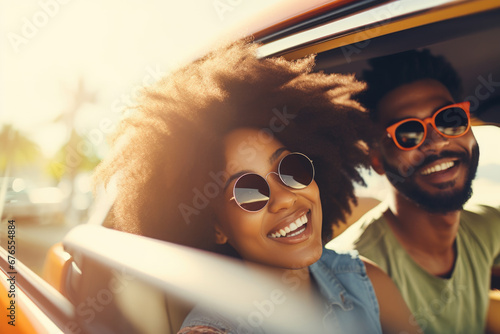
439,255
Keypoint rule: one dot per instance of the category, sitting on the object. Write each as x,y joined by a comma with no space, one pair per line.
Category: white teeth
297,232
438,168
294,226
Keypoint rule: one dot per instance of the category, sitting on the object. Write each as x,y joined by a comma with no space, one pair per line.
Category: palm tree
15,150
69,160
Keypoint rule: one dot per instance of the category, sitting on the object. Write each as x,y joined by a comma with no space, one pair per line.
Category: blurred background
69,67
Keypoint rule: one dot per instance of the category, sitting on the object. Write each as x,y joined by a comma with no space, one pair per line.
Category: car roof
464,32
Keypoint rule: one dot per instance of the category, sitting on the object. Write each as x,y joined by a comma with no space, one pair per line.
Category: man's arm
395,316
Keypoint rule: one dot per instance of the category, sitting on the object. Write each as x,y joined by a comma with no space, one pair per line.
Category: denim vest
350,302
350,305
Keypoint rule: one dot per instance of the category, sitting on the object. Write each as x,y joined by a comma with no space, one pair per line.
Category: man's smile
438,167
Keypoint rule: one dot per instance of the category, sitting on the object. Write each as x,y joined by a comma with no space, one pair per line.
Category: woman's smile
286,231
296,231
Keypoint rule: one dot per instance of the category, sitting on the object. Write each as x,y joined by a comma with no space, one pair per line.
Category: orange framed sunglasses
450,121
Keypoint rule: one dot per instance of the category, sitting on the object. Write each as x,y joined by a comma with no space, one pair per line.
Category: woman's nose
282,197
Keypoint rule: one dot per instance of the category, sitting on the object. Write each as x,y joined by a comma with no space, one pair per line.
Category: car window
464,33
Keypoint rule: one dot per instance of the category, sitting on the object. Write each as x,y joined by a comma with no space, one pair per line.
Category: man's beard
446,201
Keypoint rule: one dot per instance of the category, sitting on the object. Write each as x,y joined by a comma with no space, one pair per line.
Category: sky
110,47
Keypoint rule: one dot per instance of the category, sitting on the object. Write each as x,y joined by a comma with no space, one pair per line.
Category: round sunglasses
251,191
450,121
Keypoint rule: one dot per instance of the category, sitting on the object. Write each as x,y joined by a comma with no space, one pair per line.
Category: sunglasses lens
251,192
452,122
410,134
296,171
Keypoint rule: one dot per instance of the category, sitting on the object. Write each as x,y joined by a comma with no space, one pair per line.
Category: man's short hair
390,72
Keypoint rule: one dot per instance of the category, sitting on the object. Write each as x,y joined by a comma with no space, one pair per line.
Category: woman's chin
303,261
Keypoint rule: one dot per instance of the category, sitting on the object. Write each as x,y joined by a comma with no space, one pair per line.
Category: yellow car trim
419,19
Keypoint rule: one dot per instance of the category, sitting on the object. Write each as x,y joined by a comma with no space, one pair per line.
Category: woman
254,158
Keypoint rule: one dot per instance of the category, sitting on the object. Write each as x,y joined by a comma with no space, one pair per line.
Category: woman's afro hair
167,154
